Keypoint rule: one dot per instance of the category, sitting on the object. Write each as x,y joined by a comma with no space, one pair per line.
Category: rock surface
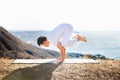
12,47
106,70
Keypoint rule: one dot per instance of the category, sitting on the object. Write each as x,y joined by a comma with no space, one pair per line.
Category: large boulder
12,47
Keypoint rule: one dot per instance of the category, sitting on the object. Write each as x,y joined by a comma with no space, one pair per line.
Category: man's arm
62,50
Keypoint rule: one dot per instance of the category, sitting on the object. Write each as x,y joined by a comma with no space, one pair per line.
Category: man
60,37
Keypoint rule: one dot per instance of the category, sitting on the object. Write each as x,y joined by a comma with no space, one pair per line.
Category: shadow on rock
39,72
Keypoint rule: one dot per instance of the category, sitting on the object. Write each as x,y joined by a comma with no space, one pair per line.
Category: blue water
106,43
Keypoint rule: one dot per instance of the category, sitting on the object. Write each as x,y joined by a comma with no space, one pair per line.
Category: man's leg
66,42
66,32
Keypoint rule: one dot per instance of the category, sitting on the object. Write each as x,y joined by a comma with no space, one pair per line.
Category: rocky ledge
105,70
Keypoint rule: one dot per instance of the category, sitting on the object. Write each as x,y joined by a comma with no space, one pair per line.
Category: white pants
63,34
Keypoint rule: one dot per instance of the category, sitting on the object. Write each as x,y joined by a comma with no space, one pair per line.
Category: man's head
42,41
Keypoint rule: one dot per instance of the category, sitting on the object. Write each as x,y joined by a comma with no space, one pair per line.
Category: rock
12,47
106,70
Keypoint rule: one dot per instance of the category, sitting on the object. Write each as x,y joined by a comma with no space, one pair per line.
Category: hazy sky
46,14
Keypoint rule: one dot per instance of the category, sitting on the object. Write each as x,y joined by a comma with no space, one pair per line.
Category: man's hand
62,50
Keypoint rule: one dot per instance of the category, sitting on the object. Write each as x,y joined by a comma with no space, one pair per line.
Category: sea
106,43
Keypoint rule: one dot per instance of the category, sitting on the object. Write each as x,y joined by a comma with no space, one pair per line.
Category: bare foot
80,38
83,39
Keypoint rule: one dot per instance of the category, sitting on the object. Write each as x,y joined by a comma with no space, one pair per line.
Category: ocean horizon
106,43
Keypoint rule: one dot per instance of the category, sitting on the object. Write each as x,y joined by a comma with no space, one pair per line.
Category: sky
47,14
